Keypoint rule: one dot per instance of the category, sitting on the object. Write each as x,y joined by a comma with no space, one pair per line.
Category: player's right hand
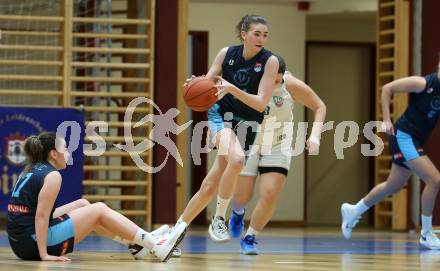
388,127
188,80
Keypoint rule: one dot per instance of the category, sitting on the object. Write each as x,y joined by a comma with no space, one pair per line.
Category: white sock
361,207
121,241
426,223
252,231
239,211
144,239
222,206
180,220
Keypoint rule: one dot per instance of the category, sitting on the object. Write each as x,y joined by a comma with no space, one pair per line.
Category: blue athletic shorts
60,240
245,130
404,147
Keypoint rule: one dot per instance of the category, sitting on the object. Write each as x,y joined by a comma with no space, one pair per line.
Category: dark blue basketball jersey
423,110
245,75
23,204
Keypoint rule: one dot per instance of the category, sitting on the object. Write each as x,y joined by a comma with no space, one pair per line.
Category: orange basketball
199,94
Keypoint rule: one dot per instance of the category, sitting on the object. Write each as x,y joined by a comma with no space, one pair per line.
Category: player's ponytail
33,150
37,148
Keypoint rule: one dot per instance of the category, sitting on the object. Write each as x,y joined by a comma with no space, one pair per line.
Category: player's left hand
51,258
312,147
223,87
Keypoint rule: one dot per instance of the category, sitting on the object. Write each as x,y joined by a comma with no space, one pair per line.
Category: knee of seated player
101,207
95,211
83,202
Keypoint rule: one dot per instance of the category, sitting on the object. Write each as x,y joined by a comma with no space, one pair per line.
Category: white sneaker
349,219
429,240
166,246
140,252
177,252
218,230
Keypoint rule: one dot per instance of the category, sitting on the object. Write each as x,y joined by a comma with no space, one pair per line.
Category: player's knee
101,210
100,206
83,202
435,182
269,194
393,188
236,163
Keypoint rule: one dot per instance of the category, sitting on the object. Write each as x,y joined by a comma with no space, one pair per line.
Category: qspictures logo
345,135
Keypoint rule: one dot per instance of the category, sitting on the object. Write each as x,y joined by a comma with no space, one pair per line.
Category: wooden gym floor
280,249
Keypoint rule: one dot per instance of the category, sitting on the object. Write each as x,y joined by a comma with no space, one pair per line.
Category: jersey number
267,111
20,183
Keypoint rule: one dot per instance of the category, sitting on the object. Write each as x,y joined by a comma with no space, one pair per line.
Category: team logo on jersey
241,77
231,62
278,101
267,110
257,67
281,137
435,103
15,149
430,90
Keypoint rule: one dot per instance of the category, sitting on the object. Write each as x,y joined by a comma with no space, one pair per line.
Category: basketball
199,94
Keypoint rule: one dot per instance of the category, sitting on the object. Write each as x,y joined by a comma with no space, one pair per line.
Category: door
341,75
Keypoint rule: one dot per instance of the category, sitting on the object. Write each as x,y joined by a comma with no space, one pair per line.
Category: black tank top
24,198
423,110
246,75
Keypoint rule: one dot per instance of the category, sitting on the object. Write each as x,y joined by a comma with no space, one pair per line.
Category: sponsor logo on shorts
398,156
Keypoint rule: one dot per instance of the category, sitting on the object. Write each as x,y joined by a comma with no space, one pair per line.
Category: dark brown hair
281,64
37,148
246,22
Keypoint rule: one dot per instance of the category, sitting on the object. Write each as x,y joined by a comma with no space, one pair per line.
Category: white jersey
277,118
